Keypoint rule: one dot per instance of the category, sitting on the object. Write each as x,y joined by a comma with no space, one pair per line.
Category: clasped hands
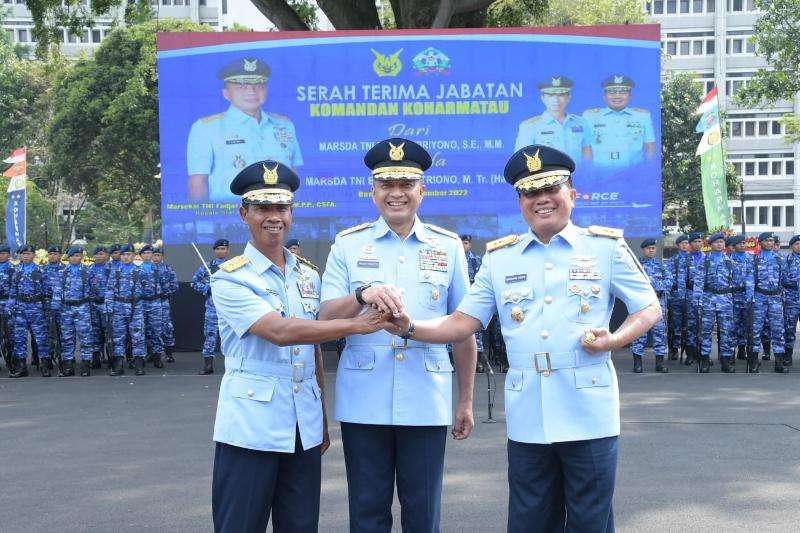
386,310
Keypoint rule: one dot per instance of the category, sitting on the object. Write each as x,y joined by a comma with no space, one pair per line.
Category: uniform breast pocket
516,305
310,307
433,286
252,388
363,276
584,301
358,358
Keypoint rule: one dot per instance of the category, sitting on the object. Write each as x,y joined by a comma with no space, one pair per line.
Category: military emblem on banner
431,61
433,259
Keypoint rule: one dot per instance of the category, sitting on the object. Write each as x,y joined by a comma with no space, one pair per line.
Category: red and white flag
18,171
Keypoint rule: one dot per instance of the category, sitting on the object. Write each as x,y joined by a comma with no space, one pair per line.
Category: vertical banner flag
16,203
712,163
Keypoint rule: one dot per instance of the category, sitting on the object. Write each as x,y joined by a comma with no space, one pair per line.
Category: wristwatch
410,333
359,291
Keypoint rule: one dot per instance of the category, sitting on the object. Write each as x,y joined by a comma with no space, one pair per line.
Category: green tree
590,12
777,38
681,187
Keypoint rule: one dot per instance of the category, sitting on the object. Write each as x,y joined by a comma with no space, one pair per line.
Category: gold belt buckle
543,371
404,345
298,372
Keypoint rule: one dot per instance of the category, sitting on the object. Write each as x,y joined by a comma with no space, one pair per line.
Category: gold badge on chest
517,314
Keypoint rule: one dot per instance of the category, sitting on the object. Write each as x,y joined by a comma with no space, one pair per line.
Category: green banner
715,189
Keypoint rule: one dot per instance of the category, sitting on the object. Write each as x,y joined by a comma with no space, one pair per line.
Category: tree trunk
281,14
351,14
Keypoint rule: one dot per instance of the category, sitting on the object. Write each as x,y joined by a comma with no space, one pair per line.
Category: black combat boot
787,360
779,368
117,366
96,361
138,364
637,364
741,352
170,359
86,368
67,368
673,354
767,351
149,357
752,362
20,369
660,365
727,367
45,366
705,365
157,362
689,356
208,366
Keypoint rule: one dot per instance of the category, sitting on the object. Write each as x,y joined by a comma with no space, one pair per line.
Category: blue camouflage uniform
98,280
71,300
168,283
123,302
713,296
201,283
52,278
768,271
6,278
26,304
473,265
791,299
681,272
660,279
151,307
696,259
742,298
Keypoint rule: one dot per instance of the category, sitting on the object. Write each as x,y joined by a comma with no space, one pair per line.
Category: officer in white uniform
620,136
393,398
270,427
554,289
221,145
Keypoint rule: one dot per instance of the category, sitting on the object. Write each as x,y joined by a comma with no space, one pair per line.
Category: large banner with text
317,101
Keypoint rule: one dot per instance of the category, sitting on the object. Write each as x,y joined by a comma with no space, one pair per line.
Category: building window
178,2
711,6
750,215
763,214
736,214
224,7
166,2
23,35
776,216
202,2
789,168
97,36
789,216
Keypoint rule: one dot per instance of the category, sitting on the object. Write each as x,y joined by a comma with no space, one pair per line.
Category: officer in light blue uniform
72,303
620,136
394,397
554,288
791,297
221,145
270,429
659,275
768,274
555,127
713,296
742,292
201,282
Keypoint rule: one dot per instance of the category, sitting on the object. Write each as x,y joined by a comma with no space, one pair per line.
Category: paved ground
698,453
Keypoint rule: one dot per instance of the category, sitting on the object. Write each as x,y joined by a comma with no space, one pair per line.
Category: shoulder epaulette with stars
212,118
354,229
602,231
279,116
532,120
307,263
234,263
443,231
593,110
641,110
502,242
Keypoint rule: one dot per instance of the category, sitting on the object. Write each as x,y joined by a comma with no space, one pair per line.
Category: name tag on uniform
584,267
234,141
577,128
514,278
433,259
366,262
307,288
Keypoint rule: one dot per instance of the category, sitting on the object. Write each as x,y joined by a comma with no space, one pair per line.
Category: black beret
617,81
266,182
397,159
555,85
648,242
26,248
114,248
766,235
693,236
158,250
794,239
5,248
221,242
538,166
74,249
681,238
245,70
146,248
52,249
716,236
126,248
734,240
98,249
466,237
292,242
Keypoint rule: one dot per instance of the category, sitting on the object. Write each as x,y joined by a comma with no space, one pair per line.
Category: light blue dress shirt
380,380
223,144
569,137
618,137
267,390
546,296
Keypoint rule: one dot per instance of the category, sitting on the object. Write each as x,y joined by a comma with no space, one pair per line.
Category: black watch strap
359,291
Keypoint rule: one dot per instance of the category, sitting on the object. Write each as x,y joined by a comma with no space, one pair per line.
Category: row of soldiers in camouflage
753,299
114,309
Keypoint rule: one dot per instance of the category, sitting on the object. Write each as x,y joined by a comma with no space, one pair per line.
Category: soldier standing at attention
554,288
394,398
99,273
168,283
791,297
115,253
696,258
742,293
679,271
768,275
6,278
151,305
201,282
270,428
659,275
713,296
26,305
72,304
123,303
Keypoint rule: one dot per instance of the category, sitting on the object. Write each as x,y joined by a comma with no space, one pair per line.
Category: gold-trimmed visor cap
397,159
538,167
266,182
245,70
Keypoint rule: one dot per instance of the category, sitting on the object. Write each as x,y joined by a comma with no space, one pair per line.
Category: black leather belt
29,299
659,293
149,298
164,297
768,293
98,300
717,291
125,300
792,287
739,289
75,303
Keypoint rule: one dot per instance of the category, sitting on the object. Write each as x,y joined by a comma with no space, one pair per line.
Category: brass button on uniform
296,389
548,266
399,356
250,393
548,299
584,308
358,364
402,259
296,350
594,381
545,334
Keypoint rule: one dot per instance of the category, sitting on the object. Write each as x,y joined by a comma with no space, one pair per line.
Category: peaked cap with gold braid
397,159
245,70
537,167
266,182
